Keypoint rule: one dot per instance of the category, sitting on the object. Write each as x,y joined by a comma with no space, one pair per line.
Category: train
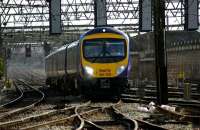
96,64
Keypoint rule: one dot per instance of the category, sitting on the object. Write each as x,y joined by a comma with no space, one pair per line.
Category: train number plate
105,83
104,72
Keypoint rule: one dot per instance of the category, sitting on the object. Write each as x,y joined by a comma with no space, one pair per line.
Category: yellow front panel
103,35
103,70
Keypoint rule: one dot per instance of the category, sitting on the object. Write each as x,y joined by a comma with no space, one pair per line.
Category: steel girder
33,15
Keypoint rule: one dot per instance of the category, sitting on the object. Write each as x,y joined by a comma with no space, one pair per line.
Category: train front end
104,61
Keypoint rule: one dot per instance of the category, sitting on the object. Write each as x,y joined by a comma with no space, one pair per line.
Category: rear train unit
98,63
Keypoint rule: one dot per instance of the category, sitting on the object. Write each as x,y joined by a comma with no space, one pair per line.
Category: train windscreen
104,50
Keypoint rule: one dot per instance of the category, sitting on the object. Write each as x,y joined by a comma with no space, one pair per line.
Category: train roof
62,48
103,30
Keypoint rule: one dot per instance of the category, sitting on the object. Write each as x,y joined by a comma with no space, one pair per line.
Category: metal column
191,15
100,16
160,52
1,44
55,16
1,52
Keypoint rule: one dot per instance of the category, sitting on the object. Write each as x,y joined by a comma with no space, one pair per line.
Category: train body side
72,60
63,62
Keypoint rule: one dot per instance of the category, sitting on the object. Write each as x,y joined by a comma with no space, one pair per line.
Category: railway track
28,99
147,93
71,120
105,118
173,93
181,115
15,100
84,116
110,117
171,101
36,121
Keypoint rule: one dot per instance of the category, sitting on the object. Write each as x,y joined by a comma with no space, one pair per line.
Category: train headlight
89,70
120,69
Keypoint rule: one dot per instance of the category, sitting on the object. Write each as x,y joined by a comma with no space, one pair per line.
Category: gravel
131,110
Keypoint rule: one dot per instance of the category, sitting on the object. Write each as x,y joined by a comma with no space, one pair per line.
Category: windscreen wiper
97,57
102,52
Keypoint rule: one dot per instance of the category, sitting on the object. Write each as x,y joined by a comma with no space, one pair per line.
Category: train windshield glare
104,50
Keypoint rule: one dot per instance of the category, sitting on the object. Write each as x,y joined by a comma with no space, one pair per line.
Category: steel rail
131,123
70,119
22,109
84,122
144,124
148,94
139,123
93,125
16,99
43,95
179,116
34,117
119,119
146,99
